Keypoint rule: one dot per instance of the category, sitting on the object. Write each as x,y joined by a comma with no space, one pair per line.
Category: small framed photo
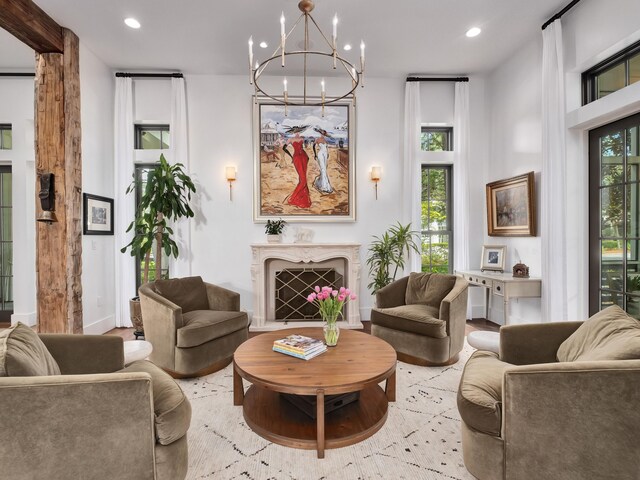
97,215
493,257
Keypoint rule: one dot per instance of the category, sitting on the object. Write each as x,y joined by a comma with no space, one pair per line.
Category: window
141,176
152,137
436,139
614,216
6,246
5,136
611,75
437,234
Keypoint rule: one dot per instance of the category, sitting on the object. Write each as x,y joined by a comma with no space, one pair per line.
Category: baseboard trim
101,326
29,319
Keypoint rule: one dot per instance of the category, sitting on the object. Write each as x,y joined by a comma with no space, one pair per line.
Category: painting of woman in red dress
289,183
300,195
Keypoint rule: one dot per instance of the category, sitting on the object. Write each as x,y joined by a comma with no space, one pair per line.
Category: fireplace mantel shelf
263,253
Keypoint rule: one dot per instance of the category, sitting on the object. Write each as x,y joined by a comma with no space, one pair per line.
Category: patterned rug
420,439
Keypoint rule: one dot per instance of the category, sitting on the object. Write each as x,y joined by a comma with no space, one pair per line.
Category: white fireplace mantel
261,253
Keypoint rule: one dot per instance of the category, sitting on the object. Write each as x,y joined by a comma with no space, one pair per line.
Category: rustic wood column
58,151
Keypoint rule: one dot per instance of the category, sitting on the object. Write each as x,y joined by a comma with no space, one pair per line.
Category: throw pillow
190,293
22,354
611,334
428,288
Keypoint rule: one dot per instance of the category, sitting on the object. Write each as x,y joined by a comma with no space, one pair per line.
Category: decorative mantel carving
306,253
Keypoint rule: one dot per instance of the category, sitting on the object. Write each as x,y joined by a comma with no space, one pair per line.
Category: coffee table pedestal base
274,418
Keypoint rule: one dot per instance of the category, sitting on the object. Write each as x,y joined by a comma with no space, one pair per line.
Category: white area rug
420,439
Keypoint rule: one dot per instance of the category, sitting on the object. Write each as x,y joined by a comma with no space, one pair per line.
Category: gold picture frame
311,183
511,207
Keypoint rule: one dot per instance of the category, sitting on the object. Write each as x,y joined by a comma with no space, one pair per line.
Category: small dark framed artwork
97,215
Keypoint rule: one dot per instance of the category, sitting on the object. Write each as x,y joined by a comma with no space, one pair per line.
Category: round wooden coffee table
357,364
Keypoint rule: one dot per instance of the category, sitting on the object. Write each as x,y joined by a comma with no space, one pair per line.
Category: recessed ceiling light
473,32
263,45
347,46
132,22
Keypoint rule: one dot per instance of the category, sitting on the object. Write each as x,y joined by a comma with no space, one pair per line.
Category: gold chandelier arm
321,32
278,51
350,70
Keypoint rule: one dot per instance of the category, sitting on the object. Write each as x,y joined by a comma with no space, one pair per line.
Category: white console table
503,285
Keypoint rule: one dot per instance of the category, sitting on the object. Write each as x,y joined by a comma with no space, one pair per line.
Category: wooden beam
31,25
58,151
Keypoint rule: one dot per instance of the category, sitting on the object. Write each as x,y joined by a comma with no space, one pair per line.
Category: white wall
220,134
16,108
220,120
515,145
98,251
592,31
220,115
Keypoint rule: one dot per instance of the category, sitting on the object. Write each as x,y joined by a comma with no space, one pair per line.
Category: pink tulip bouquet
330,303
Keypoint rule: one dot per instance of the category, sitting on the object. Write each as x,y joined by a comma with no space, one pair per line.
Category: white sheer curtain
412,178
181,266
124,204
461,177
553,214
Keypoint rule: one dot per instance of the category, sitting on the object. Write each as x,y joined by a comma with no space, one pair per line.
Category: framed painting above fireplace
304,162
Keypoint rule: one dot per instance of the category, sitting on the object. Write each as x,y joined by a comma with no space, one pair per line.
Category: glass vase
331,333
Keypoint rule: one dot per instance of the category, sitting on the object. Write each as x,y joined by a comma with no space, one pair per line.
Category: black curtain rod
17,74
559,14
437,79
149,75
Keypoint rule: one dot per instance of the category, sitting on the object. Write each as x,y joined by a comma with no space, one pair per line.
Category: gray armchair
423,316
96,420
194,326
531,412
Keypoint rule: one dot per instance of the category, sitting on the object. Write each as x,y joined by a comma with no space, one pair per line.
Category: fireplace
285,274
293,284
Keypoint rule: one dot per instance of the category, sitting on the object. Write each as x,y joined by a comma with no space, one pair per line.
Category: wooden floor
472,325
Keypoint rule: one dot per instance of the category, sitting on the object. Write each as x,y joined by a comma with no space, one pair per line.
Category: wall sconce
375,177
47,198
230,173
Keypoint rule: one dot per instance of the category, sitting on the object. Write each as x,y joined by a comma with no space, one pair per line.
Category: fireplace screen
293,286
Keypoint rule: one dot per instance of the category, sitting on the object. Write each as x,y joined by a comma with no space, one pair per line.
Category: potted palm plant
165,197
388,253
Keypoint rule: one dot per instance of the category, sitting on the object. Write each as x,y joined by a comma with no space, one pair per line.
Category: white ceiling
207,36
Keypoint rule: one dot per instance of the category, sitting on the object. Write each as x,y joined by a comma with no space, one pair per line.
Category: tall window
437,234
6,246
436,139
152,137
614,209
5,136
611,75
142,169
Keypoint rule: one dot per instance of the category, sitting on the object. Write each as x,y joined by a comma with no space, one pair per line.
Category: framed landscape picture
304,162
97,215
511,207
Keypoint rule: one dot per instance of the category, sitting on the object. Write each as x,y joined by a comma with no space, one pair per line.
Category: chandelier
284,55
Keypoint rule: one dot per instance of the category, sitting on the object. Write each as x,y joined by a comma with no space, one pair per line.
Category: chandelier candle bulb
335,39
283,36
250,60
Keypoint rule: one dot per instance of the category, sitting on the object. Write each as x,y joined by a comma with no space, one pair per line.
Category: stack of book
300,346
